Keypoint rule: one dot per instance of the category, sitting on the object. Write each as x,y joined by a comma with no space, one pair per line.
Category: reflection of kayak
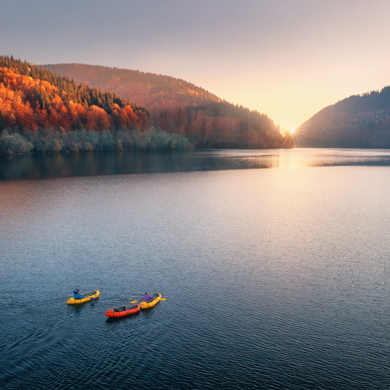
123,311
156,299
93,294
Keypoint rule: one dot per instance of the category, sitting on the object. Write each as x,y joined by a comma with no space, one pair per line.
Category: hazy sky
285,58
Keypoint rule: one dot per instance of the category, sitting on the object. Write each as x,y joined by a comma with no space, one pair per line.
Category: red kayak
123,311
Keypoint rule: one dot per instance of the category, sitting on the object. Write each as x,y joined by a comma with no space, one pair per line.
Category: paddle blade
163,299
134,301
92,299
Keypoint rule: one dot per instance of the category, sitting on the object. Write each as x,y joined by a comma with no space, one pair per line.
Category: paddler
147,298
77,295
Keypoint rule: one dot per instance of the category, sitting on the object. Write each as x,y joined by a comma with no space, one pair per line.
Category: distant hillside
356,122
46,113
177,106
147,89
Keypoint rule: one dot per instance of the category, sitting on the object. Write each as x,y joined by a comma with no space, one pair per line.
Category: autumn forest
42,112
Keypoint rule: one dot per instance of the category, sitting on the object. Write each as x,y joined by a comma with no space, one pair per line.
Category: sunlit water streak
96,164
274,278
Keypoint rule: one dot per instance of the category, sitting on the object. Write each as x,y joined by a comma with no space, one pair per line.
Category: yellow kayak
93,294
156,299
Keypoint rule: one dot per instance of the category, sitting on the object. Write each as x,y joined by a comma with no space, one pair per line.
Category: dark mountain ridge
359,121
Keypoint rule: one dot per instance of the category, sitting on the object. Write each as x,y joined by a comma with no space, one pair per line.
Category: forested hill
177,106
147,89
360,121
43,112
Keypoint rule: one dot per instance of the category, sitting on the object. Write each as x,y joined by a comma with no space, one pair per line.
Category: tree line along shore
41,112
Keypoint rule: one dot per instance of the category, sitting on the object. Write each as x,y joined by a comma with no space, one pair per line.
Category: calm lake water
275,277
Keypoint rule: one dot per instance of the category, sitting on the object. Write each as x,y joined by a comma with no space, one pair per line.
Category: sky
284,58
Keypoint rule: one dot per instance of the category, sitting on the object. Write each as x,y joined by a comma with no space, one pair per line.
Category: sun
292,129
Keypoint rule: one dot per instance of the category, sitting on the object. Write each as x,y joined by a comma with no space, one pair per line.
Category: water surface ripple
120,163
274,278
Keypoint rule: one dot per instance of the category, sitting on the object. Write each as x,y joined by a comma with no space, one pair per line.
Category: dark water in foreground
274,278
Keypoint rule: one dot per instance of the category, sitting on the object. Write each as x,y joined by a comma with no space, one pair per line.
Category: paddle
86,296
92,299
91,293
